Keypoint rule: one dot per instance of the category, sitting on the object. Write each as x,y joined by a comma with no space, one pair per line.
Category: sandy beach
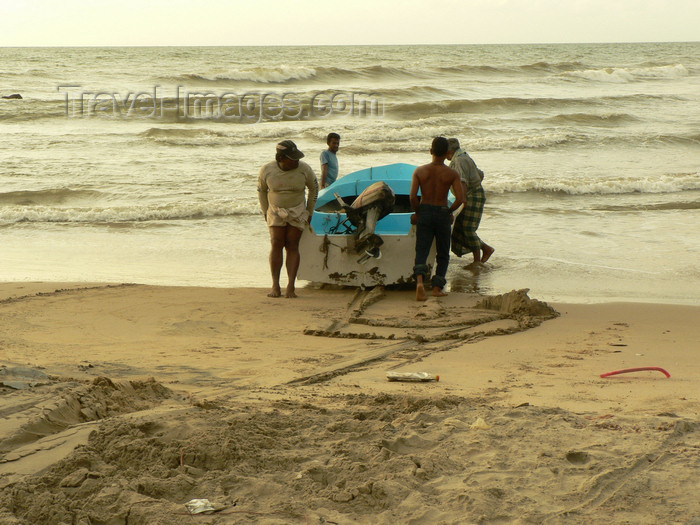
120,403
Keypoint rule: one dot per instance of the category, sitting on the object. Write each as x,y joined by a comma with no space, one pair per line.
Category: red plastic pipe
626,370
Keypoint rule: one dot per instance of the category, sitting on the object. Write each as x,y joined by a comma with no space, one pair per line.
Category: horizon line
352,45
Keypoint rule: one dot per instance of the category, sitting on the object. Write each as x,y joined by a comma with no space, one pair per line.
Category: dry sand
121,403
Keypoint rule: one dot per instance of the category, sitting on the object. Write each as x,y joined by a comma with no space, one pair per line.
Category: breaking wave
671,183
509,104
284,74
295,74
593,119
124,214
46,196
624,75
192,137
661,206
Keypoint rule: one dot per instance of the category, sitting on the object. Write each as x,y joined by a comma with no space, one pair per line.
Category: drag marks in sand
421,329
459,317
380,459
238,426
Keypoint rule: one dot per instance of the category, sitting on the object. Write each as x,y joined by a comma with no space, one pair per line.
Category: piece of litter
480,424
199,506
412,376
639,369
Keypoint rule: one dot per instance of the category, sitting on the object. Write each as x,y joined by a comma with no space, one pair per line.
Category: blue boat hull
328,252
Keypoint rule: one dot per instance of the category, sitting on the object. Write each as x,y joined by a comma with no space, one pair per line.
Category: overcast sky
309,22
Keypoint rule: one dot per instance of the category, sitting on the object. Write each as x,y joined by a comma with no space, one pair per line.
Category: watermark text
248,107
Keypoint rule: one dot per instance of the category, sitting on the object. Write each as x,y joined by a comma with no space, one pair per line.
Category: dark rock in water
14,95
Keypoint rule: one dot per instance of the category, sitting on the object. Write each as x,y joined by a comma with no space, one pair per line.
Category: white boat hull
332,259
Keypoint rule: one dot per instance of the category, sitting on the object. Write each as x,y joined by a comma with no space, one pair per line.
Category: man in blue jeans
433,218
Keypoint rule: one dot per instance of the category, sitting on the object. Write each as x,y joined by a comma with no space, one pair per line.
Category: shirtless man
433,217
287,191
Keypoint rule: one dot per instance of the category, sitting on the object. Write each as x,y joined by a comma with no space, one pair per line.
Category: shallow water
591,155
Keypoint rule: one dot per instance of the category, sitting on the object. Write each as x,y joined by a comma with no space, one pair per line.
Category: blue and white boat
361,232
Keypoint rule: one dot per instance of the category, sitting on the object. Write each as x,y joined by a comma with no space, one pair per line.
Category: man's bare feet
420,293
276,292
290,293
488,252
438,292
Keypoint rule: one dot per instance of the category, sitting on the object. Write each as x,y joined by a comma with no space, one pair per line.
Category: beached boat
361,232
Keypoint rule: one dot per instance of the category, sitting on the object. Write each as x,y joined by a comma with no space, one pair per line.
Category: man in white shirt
287,207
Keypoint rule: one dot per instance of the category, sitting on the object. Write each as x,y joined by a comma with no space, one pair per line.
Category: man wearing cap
464,237
287,208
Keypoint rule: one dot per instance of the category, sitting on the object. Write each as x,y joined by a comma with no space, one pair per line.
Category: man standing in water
329,160
281,192
433,217
464,237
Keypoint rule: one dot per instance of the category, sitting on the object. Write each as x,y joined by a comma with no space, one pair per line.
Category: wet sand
120,403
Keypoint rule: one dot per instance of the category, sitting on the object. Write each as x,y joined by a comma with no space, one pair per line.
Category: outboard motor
373,204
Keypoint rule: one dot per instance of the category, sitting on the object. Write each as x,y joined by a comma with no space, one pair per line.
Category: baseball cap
289,149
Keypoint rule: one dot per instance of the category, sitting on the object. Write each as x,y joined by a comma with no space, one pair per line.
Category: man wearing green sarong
464,237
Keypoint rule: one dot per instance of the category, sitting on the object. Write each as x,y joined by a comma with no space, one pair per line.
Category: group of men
288,189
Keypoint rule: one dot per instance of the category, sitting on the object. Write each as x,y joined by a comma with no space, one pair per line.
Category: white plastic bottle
412,376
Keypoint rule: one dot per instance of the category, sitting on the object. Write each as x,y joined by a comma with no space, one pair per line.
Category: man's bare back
434,181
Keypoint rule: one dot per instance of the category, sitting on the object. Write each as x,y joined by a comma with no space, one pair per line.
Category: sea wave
450,106
621,75
415,101
124,214
469,68
552,66
46,196
181,132
593,119
536,140
263,75
193,137
660,206
185,136
669,183
423,108
411,92
295,74
27,110
414,140
683,139
284,74
561,137
534,67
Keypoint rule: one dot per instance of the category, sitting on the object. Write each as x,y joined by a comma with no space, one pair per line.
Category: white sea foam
575,185
624,75
124,214
276,75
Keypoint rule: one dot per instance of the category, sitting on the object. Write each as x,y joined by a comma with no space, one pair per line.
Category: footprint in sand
577,457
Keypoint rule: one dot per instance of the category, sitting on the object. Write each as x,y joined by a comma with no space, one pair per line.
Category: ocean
140,164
